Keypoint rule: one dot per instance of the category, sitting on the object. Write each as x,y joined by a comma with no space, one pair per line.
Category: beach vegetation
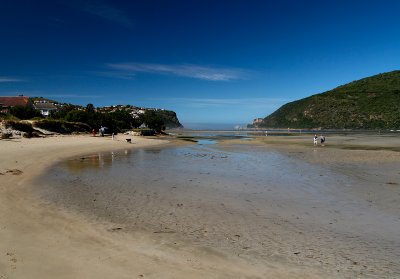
68,118
118,119
90,108
7,116
77,116
24,113
154,120
62,127
124,120
137,121
21,126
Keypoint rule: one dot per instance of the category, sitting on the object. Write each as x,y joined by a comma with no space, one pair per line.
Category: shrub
7,116
25,112
20,126
153,120
62,127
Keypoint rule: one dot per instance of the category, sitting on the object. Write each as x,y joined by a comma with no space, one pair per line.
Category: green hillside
369,103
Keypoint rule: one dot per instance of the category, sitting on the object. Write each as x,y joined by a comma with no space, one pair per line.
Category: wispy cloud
114,74
10,79
184,70
107,12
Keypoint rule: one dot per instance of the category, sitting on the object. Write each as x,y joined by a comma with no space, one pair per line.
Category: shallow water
248,200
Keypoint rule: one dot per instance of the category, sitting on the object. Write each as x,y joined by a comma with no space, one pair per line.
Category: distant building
45,107
8,102
136,112
257,121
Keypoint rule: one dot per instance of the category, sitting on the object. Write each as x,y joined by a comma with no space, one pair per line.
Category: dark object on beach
14,171
147,133
128,140
105,131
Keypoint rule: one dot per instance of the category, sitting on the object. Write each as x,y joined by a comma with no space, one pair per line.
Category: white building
45,108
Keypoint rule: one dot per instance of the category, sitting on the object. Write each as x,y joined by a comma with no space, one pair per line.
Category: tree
153,120
77,116
24,112
62,113
137,121
122,119
90,108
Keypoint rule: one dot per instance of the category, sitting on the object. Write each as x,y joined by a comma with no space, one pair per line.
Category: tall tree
90,108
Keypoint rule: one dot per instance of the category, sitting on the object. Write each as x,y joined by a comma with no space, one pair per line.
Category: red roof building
9,102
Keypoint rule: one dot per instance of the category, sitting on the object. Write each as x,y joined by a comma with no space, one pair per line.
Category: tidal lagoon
236,195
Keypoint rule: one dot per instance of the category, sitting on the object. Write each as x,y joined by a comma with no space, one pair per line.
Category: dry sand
40,241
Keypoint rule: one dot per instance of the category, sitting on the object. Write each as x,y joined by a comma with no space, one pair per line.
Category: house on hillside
136,112
258,121
45,107
8,102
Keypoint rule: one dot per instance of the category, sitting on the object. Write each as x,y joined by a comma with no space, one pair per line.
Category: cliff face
369,103
170,119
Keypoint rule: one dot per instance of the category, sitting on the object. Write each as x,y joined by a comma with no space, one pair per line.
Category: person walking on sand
315,140
322,140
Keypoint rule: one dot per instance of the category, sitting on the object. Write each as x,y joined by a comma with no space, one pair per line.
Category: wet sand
334,215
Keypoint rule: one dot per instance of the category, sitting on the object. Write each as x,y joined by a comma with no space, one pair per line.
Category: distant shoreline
287,131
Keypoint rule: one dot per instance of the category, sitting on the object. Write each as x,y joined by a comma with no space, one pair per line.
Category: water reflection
98,160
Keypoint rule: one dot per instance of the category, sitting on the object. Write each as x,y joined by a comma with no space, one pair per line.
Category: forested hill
369,103
117,118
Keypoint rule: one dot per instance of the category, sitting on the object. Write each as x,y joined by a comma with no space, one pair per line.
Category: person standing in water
315,140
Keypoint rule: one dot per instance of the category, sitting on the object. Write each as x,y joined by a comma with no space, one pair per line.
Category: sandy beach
41,240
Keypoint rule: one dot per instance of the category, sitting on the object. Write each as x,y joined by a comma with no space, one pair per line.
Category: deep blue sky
210,61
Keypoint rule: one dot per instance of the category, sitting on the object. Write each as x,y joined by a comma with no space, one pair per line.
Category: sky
210,61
